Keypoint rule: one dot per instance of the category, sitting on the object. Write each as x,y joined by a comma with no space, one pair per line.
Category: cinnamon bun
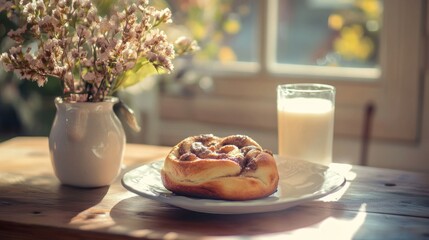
231,168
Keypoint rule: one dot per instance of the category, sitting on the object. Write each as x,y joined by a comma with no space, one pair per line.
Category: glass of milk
306,121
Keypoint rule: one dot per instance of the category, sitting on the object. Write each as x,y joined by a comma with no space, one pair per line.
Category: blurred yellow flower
226,54
371,7
198,29
352,44
335,21
231,26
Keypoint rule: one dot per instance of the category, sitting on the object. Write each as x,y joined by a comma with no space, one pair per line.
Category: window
328,33
334,38
387,74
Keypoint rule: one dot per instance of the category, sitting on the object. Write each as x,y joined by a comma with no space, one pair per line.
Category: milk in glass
305,129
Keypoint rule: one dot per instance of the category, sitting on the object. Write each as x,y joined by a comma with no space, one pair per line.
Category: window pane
226,30
342,33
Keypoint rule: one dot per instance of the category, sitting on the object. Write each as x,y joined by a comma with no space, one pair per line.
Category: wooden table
374,204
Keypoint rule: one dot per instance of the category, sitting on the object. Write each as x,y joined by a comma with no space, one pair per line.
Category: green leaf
141,70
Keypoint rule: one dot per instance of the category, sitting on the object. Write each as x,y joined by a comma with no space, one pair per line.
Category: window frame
395,90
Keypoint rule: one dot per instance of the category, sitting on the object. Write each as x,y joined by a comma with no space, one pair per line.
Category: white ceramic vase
86,143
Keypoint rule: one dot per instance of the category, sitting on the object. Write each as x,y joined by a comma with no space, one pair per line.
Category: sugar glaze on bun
230,168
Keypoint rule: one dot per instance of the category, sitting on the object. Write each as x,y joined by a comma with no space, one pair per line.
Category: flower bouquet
92,56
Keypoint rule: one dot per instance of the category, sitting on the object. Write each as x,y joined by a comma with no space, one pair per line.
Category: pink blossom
85,51
90,76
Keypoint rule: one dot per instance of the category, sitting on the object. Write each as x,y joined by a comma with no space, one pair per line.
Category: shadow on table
138,214
42,196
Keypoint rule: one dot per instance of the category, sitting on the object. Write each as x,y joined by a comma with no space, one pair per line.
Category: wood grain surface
374,203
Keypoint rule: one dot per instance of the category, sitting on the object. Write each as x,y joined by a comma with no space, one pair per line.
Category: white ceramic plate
300,181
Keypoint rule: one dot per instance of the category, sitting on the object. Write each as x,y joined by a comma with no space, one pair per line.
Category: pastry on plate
230,168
